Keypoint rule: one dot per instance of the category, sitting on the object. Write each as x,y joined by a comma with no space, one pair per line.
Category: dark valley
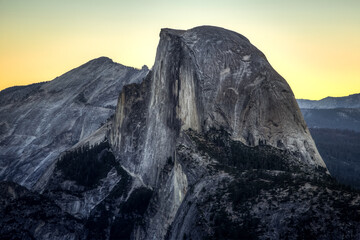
335,126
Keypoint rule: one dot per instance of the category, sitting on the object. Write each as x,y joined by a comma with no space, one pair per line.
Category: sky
314,45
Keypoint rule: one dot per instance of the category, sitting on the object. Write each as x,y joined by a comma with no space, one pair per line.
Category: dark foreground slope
28,215
258,193
233,192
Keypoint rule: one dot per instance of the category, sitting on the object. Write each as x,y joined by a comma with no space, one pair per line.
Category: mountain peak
101,60
209,34
170,31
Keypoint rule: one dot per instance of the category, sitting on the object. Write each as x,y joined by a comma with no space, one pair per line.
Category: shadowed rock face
40,121
207,77
28,215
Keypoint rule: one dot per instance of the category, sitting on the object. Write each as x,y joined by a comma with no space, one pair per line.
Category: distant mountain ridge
334,123
351,101
332,112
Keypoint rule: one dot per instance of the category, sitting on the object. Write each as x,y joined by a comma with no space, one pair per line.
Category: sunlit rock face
202,78
40,121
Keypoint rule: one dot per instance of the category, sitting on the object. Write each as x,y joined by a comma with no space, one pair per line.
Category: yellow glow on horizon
314,46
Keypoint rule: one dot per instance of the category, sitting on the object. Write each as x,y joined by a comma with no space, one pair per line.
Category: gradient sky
314,45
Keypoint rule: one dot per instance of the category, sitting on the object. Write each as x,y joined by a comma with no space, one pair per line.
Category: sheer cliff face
202,78
40,121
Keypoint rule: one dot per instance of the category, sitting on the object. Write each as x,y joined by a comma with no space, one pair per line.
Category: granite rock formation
210,145
40,121
202,78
